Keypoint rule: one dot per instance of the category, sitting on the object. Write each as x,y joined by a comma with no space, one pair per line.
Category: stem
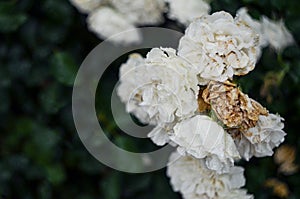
284,71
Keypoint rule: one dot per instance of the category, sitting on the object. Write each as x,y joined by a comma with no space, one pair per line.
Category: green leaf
5,101
55,174
21,129
44,191
137,183
10,20
52,99
89,164
111,186
279,4
58,11
52,33
9,23
41,145
64,68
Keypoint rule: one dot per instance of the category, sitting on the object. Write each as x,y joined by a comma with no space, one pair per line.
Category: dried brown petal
285,157
279,188
288,168
285,153
202,105
234,108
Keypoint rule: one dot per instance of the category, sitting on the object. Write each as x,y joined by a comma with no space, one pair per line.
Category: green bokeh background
42,44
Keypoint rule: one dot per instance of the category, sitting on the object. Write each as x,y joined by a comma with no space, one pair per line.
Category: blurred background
42,44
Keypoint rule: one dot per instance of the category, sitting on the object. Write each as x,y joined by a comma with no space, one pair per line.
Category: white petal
185,11
164,84
277,34
141,12
159,135
265,136
219,47
86,6
193,179
201,137
108,23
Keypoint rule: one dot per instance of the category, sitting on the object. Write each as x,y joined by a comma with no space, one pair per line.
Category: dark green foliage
42,44
10,19
63,68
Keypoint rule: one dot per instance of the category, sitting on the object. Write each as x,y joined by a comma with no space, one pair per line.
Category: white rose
193,179
162,87
131,76
260,140
219,47
160,134
86,6
185,11
233,194
201,137
277,34
141,12
243,16
106,22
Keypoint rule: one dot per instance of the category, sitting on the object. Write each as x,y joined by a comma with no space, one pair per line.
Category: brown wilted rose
279,188
285,157
234,108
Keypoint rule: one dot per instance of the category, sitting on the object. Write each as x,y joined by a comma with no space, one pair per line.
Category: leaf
55,174
44,191
111,186
278,4
46,141
90,165
10,20
137,183
125,143
64,68
52,99
52,33
18,162
21,129
5,101
58,11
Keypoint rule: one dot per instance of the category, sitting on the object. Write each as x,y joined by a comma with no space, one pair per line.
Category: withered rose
202,105
231,106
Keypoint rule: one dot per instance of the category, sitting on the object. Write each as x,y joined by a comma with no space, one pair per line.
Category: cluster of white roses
109,17
189,97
